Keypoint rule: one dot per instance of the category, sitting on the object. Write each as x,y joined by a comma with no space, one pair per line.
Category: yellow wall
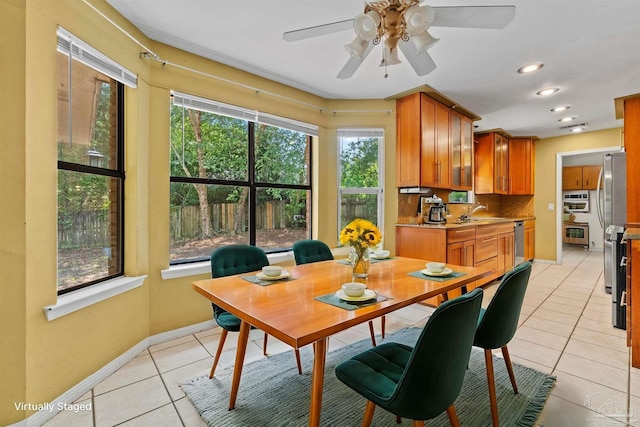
40,359
12,211
545,180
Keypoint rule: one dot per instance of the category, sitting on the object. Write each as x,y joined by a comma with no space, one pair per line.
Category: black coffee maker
437,211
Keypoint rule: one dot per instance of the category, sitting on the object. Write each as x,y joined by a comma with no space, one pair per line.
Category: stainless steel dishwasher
518,241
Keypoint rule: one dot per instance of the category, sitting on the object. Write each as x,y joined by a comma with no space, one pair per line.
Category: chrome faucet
471,211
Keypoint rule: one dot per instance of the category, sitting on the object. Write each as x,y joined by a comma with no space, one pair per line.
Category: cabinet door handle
623,261
623,299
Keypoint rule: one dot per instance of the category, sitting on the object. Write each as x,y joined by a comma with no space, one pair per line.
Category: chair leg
398,419
298,361
418,423
368,413
223,337
507,361
264,344
488,357
383,322
453,416
373,334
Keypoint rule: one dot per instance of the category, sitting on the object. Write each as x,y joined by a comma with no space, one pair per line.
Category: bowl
381,253
436,267
353,289
272,270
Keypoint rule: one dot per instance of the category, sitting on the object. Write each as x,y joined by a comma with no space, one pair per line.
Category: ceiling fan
403,24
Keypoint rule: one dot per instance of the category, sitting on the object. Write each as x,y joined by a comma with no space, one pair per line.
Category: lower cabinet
489,245
529,239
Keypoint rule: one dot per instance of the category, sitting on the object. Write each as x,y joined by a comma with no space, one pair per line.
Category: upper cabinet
580,177
461,137
504,165
521,166
433,144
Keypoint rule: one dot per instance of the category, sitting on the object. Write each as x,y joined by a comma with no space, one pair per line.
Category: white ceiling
590,50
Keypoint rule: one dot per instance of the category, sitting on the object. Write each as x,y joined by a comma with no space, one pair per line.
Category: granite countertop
474,222
632,233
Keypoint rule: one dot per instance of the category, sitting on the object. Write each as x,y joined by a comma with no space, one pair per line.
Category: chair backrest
433,376
236,259
500,319
306,251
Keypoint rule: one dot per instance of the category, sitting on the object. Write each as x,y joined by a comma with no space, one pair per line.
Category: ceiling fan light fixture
366,25
424,41
418,19
390,57
357,48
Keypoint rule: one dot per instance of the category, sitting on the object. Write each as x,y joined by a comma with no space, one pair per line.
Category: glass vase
361,261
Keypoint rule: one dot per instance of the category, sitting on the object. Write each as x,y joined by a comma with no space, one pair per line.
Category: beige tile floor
565,330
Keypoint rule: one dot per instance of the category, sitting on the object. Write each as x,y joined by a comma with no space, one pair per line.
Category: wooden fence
83,229
185,221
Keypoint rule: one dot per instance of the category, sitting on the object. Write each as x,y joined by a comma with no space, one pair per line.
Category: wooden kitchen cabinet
521,166
491,163
529,239
422,243
422,142
461,250
504,165
461,136
506,255
590,176
434,144
580,177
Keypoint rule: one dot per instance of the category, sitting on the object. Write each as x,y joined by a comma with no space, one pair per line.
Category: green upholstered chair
498,323
420,382
308,251
226,261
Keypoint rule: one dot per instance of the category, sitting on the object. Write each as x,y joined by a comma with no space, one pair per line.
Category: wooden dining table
290,311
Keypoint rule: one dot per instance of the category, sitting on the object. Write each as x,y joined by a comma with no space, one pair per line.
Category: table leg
320,352
243,338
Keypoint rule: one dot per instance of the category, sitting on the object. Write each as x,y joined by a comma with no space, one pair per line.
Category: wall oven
576,233
575,201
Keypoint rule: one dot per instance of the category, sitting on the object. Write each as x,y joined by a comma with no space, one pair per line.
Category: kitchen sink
487,218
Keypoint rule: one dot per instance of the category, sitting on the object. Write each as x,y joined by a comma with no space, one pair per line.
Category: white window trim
365,133
195,268
77,300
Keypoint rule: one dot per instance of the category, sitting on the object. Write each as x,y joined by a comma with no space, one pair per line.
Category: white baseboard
77,391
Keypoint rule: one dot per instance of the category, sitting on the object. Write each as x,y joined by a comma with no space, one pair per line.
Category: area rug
273,394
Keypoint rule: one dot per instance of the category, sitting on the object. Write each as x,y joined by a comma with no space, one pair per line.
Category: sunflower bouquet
361,235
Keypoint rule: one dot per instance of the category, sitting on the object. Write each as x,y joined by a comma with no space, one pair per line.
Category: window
237,176
90,147
360,176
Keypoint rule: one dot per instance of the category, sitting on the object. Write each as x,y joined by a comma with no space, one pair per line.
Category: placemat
261,282
453,275
333,299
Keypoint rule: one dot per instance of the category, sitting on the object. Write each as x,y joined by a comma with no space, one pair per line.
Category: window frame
379,190
252,118
74,48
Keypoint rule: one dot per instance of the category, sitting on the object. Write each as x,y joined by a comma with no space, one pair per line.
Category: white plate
368,295
444,272
283,275
374,256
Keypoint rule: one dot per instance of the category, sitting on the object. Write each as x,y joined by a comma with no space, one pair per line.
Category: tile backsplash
497,205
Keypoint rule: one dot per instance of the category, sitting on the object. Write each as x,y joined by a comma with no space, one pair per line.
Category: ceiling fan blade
353,64
422,63
495,17
318,30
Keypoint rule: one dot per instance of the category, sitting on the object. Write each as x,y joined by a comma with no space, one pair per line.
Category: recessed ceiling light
547,91
567,119
575,130
560,108
530,68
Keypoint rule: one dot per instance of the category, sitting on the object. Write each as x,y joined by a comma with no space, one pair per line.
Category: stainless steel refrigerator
612,212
